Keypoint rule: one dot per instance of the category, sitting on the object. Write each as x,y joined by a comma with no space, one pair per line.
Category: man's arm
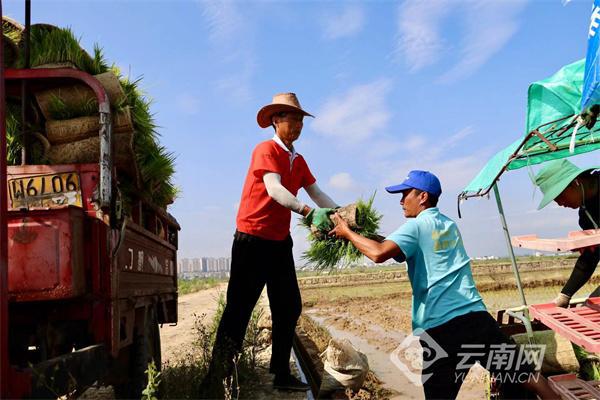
374,250
281,195
582,272
320,197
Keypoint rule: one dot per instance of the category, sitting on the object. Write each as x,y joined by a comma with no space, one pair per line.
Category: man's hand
319,218
341,230
562,300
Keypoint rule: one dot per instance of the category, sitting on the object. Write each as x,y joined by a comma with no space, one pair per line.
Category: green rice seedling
14,137
51,44
54,45
327,252
589,364
60,111
155,163
14,142
97,64
139,104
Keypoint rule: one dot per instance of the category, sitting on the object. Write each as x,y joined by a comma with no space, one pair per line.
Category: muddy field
374,314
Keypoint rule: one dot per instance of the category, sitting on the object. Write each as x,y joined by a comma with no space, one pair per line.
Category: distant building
204,267
485,258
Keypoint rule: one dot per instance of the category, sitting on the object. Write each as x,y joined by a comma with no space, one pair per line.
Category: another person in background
572,187
262,245
445,304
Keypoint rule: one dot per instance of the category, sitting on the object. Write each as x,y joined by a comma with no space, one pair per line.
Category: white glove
562,300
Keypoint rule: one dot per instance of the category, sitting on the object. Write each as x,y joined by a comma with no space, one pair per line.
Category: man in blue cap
446,304
571,187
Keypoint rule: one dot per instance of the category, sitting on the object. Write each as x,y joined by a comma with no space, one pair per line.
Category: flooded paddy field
375,315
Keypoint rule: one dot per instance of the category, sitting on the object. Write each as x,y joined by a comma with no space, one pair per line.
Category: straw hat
555,177
281,102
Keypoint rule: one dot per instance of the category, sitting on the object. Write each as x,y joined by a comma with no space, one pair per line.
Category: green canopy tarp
552,106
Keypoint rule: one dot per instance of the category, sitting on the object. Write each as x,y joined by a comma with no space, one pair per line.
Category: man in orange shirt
262,246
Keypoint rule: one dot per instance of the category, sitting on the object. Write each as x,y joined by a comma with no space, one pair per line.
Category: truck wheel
145,348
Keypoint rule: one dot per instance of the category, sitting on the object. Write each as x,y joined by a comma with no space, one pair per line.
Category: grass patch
182,379
185,286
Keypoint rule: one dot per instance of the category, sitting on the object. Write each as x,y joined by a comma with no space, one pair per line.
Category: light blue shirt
438,268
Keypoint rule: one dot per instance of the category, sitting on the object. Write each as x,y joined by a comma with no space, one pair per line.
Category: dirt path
181,336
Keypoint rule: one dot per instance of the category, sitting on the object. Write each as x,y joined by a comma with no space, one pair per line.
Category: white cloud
414,142
419,43
342,181
188,104
232,37
459,136
355,115
223,18
490,25
419,153
348,23
238,84
454,173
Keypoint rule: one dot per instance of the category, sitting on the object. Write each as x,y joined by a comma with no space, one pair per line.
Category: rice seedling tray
575,240
580,325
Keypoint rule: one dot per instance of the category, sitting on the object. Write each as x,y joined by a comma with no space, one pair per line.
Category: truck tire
145,348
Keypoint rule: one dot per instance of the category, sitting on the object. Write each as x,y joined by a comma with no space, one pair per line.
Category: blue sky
438,85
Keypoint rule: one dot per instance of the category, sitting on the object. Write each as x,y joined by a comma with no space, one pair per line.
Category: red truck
83,287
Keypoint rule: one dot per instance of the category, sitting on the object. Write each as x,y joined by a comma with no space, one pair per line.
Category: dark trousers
442,379
257,262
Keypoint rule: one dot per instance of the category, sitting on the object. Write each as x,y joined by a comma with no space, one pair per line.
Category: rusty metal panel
146,263
106,160
4,366
46,258
58,375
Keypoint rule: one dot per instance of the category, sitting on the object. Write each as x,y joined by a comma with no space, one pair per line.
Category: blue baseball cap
422,180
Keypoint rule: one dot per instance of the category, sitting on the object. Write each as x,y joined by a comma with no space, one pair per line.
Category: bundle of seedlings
14,136
328,252
70,115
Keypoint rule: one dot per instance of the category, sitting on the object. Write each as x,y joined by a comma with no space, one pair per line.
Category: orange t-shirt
259,214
